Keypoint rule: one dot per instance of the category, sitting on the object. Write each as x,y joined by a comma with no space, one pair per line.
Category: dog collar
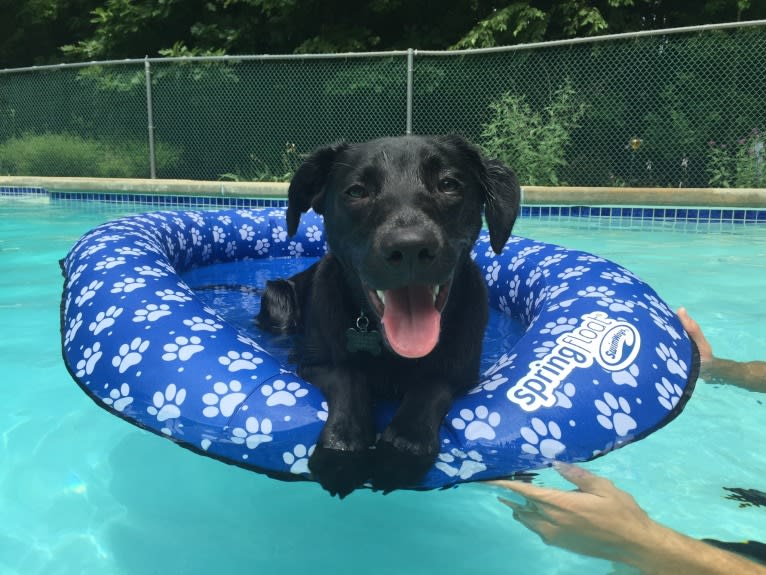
361,338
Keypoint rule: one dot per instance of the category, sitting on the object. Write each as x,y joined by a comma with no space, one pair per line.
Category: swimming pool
82,492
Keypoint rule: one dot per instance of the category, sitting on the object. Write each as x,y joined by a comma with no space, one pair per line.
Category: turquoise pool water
82,492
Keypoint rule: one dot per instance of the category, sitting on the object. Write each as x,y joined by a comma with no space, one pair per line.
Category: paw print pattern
593,291
105,319
493,272
281,393
323,412
458,463
278,234
182,348
130,354
298,459
88,292
477,424
614,413
670,357
109,263
626,376
128,285
224,399
152,312
119,397
564,395
313,234
542,439
235,361
573,272
150,271
561,325
90,357
253,434
262,246
295,249
167,405
219,235
247,232
172,295
197,323
74,325
669,394
616,277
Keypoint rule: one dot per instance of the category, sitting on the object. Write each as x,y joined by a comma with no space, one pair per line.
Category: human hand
695,332
597,519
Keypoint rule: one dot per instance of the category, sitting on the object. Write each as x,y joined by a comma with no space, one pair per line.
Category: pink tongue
411,321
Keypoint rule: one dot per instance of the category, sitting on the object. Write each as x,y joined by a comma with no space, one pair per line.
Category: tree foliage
46,31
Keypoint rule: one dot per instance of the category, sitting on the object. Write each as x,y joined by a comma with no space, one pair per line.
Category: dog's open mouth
411,316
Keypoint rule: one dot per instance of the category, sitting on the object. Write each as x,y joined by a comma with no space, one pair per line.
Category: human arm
603,521
746,374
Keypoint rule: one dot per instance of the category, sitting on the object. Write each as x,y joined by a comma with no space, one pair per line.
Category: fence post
150,118
410,75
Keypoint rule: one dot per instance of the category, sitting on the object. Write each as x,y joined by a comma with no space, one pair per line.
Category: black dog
396,309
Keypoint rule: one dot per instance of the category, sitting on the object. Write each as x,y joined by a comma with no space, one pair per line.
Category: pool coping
532,195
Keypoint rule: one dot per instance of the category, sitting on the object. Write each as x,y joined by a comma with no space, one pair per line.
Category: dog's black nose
409,248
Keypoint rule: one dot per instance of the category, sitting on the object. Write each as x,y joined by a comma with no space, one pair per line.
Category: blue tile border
601,213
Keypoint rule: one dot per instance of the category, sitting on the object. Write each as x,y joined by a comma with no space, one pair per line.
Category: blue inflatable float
602,362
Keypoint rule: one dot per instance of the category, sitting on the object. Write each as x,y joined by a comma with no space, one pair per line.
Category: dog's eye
449,186
356,191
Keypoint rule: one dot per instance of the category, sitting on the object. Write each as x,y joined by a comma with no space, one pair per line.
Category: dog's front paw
400,462
340,471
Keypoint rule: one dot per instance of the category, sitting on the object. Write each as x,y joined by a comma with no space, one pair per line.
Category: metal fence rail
664,108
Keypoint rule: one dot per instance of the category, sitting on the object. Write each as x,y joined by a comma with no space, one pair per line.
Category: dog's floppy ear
307,186
502,200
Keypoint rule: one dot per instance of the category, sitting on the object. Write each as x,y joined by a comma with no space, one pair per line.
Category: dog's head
401,215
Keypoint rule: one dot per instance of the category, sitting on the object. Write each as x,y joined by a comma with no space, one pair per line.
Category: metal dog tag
360,339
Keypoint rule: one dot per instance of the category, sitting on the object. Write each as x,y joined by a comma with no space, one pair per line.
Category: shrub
533,142
53,154
739,165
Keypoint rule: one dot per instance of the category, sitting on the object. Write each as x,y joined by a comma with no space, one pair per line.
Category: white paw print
150,271
314,234
478,424
573,272
128,285
236,361
130,354
170,295
119,397
253,434
262,246
561,325
109,263
298,459
224,400
197,323
219,235
324,412
615,414
532,278
670,357
669,393
167,405
491,384
593,291
278,234
130,251
542,439
74,325
617,305
90,357
493,272
246,232
459,463
564,395
88,292
281,393
105,319
152,312
626,376
182,348
196,237
617,277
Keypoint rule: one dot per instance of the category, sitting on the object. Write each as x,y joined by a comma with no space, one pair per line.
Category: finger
528,490
584,479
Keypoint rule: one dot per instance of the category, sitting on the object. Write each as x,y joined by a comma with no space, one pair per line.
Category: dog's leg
409,445
342,458
283,302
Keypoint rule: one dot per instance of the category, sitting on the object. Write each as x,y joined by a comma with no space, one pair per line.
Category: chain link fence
679,108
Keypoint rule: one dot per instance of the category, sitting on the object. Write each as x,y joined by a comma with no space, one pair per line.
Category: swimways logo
611,343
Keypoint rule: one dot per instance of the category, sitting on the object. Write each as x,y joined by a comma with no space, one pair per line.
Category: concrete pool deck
532,195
